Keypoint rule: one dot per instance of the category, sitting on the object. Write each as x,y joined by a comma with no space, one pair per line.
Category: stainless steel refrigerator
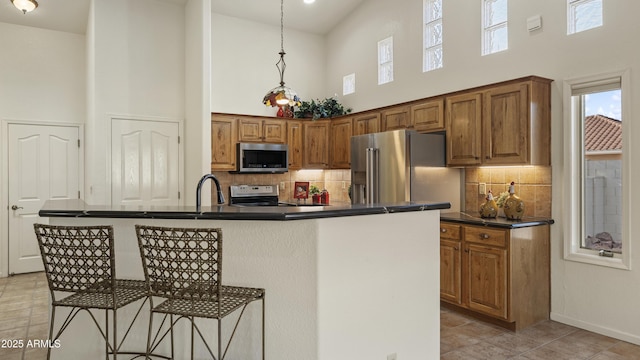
403,165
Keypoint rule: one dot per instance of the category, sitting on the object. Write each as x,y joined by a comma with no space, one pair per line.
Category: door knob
16,207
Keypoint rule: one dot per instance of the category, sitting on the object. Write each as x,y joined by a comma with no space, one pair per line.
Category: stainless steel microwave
262,158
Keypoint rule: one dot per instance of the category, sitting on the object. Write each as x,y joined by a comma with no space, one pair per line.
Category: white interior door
144,162
43,165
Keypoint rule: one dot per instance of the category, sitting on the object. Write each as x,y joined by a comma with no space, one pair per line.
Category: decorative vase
513,205
489,209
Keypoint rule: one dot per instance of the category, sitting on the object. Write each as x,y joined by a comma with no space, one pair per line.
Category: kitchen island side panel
379,284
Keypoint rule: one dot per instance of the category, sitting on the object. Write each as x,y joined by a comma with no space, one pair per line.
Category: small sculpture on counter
489,209
513,205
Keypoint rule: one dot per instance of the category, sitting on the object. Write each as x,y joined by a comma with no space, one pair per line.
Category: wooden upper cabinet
428,116
262,130
340,138
294,140
395,118
516,121
463,121
316,144
223,143
366,123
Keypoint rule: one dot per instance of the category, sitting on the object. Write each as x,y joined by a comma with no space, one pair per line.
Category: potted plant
315,194
317,109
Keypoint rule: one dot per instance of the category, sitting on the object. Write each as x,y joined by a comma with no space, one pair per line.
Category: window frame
429,48
574,160
386,41
571,21
486,28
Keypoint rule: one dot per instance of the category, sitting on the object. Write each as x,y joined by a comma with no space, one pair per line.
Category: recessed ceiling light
309,1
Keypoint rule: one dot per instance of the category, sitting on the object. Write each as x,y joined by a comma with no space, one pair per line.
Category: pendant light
281,95
25,5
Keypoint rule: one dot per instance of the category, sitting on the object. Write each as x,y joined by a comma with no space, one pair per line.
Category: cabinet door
274,131
450,282
506,125
316,144
294,140
249,130
223,143
428,116
366,124
394,119
486,275
464,130
340,154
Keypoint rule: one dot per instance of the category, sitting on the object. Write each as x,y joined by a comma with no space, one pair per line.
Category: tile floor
24,315
464,338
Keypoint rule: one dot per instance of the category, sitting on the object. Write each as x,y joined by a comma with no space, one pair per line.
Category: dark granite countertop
473,218
78,208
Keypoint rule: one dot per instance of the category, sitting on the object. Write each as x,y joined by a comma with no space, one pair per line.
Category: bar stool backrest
181,263
77,258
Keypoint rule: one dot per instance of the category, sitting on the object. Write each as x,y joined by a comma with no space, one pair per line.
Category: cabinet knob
466,250
484,236
443,230
455,248
477,158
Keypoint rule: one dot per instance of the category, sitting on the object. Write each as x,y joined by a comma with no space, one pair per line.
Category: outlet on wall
482,188
393,356
344,185
281,185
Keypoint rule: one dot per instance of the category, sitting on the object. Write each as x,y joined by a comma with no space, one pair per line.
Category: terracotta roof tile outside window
602,133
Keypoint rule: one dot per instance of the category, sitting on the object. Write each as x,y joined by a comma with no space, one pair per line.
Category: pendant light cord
282,25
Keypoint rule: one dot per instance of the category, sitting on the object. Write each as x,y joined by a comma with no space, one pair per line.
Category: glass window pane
495,12
602,171
433,58
496,39
434,34
433,10
587,15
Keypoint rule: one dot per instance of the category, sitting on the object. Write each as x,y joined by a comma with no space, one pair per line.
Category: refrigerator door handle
372,176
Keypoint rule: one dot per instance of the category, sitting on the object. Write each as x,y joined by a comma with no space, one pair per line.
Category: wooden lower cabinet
500,274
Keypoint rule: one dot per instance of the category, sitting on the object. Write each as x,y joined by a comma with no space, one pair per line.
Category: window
349,84
385,60
583,15
432,37
494,26
597,230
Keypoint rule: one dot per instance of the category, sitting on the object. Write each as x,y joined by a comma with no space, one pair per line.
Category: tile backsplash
532,185
335,181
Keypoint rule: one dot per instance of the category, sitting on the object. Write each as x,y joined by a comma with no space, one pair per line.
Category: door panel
144,162
43,165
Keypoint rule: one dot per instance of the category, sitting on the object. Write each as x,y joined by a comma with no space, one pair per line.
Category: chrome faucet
199,190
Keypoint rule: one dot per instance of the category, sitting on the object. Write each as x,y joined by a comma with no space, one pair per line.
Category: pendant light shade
25,5
281,95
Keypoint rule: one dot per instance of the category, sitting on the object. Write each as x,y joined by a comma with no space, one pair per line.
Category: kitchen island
342,282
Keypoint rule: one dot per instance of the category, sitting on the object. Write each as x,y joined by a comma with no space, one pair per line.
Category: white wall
244,54
593,297
136,61
42,74
197,97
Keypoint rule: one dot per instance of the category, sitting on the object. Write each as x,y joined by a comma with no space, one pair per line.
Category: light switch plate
482,188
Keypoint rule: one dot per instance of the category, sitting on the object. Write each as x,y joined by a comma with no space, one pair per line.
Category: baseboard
634,339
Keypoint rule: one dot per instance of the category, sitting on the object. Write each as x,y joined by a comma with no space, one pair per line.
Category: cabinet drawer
449,231
485,236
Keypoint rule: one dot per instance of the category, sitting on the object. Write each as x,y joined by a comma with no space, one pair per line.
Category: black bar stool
79,261
184,267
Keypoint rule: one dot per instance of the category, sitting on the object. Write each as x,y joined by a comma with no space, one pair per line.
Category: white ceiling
71,15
